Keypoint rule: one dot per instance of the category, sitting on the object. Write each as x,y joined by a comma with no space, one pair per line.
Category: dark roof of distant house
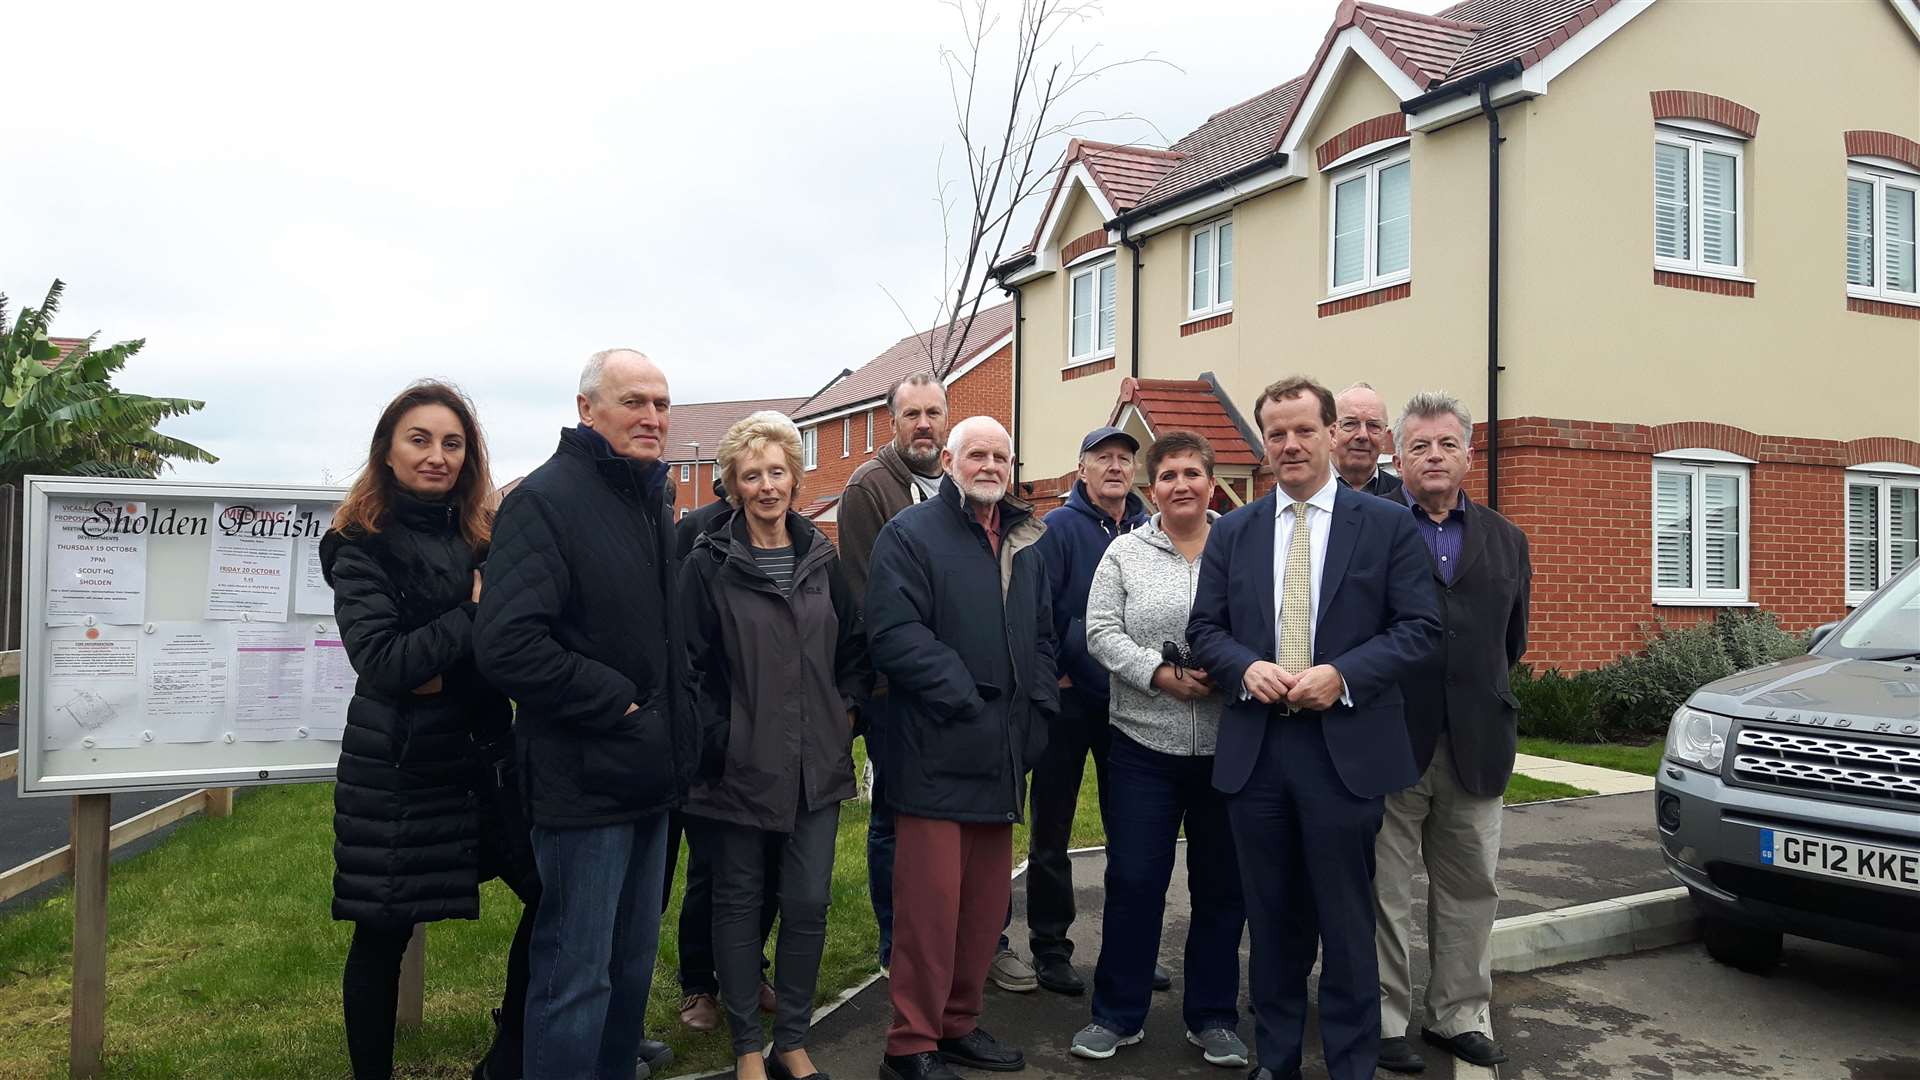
706,421
872,380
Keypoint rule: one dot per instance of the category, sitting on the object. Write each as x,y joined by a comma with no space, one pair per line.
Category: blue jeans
880,840
594,939
1162,792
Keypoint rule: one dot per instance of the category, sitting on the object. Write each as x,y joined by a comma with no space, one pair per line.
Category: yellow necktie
1296,596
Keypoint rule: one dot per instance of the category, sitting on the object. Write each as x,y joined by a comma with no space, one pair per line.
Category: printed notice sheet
96,562
330,681
311,594
92,696
269,682
250,561
184,667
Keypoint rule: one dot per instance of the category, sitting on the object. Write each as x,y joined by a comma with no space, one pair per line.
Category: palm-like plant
61,415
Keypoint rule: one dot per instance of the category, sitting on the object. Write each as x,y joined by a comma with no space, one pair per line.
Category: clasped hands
1319,687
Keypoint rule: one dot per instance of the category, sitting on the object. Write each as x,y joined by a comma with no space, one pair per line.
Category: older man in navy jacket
1314,603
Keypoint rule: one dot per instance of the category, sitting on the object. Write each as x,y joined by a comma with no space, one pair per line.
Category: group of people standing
1312,690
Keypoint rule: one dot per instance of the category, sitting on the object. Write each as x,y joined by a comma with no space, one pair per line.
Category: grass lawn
224,961
9,691
1525,789
1644,760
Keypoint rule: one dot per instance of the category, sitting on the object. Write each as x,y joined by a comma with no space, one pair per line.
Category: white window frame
1370,169
869,431
810,446
1215,305
685,472
1091,271
1694,142
1882,177
846,436
1699,468
1884,483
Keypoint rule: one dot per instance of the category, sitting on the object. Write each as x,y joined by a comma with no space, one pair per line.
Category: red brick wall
697,491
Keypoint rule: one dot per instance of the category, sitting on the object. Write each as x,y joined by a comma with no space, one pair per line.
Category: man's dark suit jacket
1378,623
1463,690
1384,484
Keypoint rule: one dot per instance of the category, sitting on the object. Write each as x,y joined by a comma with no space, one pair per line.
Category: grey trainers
1220,1046
1098,1043
1013,974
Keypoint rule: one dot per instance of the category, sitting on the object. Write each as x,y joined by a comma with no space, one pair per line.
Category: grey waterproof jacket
1141,595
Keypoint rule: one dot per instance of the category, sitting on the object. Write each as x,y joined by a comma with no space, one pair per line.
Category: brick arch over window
1698,434
1883,144
1695,105
1378,129
1882,448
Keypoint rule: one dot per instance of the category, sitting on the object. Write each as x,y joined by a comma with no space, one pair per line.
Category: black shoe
924,1066
503,1060
777,1070
1472,1047
654,1057
1398,1055
979,1050
1162,979
1056,973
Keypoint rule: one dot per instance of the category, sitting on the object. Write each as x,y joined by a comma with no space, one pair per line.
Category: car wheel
1737,945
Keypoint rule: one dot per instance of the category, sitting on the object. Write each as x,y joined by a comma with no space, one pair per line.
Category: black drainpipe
1134,246
1019,326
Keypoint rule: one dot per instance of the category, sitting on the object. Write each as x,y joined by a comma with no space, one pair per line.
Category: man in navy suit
1314,603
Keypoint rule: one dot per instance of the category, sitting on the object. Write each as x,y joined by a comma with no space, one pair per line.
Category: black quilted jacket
576,624
409,805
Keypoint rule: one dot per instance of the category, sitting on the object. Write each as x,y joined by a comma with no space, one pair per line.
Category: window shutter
1395,221
1860,233
1350,231
1863,537
1223,276
1202,291
1673,530
1903,527
1082,314
1107,277
1670,201
1899,244
1719,209
1720,532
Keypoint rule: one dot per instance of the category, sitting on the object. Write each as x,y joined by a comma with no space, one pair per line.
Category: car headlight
1697,738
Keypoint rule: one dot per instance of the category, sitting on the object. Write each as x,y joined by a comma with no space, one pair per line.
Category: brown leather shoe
700,1012
769,1001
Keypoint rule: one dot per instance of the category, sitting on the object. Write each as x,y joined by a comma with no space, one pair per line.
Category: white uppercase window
1700,531
810,444
1370,241
846,436
1091,296
869,431
1883,530
1698,219
685,471
1881,232
1210,268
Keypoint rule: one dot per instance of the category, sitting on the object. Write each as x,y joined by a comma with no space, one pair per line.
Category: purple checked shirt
1444,538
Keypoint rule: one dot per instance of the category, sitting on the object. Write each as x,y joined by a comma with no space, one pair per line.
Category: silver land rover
1789,800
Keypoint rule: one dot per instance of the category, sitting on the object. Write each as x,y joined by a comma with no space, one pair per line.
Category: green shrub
1556,706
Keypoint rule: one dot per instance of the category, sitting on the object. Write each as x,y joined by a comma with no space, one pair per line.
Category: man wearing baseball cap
1101,506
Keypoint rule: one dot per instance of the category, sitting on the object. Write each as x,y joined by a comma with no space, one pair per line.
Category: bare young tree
1005,138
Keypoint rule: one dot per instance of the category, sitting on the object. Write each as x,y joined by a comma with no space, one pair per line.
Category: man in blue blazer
1310,643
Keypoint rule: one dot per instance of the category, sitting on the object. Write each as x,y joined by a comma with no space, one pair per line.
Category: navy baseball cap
1099,435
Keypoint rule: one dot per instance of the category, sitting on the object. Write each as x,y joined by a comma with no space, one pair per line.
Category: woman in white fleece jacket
1165,720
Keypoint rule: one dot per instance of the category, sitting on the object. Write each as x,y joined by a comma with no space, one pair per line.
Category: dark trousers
880,840
745,900
698,971
370,991
951,882
1306,863
1081,728
1163,791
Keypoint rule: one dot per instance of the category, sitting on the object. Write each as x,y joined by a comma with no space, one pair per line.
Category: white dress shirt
1319,526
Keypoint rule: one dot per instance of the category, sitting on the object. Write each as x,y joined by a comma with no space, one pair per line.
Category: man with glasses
1360,436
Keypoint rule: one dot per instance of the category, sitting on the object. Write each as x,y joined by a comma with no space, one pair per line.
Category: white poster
96,562
184,667
311,593
250,561
330,679
269,682
92,696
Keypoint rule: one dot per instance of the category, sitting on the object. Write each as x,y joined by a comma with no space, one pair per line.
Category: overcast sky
302,210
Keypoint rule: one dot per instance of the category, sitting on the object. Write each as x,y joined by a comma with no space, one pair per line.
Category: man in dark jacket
1101,506
958,621
1461,717
1360,436
576,624
905,471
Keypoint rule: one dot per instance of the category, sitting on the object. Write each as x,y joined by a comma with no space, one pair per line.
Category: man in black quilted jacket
576,623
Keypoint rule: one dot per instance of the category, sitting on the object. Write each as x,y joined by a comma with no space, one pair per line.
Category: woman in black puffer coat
423,806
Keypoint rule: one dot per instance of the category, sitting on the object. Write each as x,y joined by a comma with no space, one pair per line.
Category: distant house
693,435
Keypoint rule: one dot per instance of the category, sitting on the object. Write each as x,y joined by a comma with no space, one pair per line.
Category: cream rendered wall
1589,335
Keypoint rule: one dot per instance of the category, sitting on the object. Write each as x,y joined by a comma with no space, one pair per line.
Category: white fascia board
978,359
1046,251
1533,82
1214,203
854,409
1021,277
1351,40
1909,13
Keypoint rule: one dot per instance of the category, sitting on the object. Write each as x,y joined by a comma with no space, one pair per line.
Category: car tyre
1748,948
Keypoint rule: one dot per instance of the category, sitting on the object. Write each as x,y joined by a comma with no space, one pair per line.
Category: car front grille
1842,765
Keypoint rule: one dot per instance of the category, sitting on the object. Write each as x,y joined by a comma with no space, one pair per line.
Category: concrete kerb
1628,924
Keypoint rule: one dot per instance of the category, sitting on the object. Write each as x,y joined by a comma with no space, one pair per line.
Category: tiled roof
1426,47
66,345
1518,29
1187,405
1231,139
1124,173
814,509
908,355
705,422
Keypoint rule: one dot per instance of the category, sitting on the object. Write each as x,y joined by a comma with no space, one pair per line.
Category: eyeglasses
1351,424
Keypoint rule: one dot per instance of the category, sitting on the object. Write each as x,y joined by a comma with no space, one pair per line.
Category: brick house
1641,258
694,434
842,426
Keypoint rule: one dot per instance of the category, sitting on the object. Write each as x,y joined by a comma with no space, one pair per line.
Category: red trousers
950,891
